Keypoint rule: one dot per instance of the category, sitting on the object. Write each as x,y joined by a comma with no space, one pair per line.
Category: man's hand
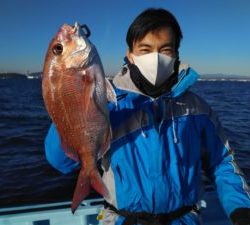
241,216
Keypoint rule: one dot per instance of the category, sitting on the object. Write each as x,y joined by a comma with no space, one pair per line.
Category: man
163,136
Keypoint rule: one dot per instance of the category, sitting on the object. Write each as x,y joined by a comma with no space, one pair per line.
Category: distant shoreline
36,75
225,79
222,77
204,77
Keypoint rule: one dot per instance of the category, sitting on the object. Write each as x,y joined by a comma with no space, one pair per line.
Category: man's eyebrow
170,44
144,45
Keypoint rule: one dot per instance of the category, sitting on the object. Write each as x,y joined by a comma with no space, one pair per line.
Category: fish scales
74,92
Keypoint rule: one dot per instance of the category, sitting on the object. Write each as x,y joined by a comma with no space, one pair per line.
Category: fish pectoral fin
88,91
111,95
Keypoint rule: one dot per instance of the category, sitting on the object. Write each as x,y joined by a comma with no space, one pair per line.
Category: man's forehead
164,34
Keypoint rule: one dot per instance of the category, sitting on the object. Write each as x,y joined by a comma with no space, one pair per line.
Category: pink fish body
75,95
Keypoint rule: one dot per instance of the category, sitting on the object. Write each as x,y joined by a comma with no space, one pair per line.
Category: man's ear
177,53
129,56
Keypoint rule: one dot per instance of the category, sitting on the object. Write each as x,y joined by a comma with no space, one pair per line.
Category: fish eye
57,49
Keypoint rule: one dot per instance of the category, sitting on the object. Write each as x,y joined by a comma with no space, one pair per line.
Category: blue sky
216,32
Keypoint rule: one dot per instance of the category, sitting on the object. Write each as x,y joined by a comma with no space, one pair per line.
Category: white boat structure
86,213
52,214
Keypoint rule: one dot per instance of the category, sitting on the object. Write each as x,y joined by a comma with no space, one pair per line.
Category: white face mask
155,67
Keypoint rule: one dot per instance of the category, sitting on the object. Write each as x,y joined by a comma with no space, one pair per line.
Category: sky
216,33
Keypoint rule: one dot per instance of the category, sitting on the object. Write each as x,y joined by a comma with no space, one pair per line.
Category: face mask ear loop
173,122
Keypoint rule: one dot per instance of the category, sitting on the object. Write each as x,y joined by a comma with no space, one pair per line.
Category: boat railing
52,214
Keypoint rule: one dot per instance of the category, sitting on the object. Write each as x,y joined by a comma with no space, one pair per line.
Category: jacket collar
186,78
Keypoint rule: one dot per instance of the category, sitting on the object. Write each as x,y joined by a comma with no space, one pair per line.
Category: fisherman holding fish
153,136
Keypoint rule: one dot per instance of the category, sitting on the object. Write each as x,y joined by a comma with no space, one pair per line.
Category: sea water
26,177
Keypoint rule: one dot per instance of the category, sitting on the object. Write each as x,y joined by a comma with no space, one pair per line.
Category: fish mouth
83,51
81,30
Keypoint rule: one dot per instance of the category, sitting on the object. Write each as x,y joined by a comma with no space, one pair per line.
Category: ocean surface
27,178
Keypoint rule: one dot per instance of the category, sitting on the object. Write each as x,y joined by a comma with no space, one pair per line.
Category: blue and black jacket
159,150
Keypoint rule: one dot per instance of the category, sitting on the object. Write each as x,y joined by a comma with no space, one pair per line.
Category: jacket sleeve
221,166
55,154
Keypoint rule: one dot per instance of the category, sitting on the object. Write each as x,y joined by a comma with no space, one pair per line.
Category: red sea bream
75,93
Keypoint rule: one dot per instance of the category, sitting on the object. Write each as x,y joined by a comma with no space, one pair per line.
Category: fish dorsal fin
111,95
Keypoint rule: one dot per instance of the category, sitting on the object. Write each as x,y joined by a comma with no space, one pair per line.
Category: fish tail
97,183
83,187
81,191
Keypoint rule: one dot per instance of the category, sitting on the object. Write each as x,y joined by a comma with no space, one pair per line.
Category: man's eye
168,51
144,51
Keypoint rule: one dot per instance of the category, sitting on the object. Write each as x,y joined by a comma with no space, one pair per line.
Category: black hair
150,20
